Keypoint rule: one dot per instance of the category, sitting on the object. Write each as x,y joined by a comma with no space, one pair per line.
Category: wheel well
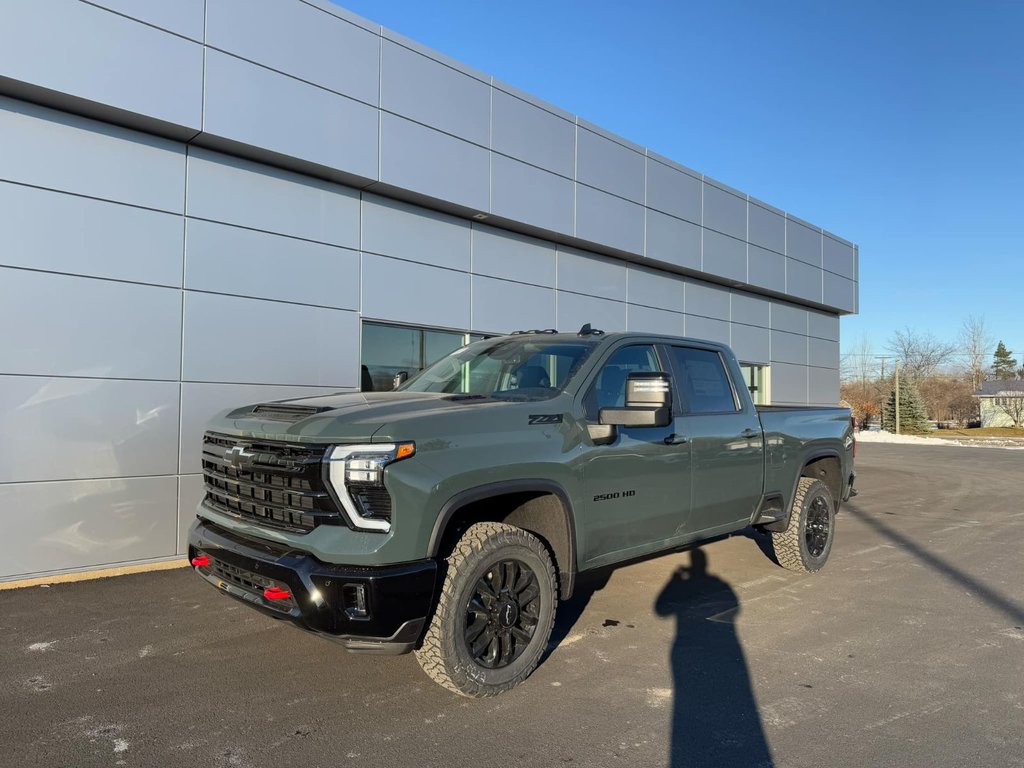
830,471
542,513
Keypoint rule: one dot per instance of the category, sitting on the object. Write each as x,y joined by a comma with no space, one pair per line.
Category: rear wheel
806,543
495,612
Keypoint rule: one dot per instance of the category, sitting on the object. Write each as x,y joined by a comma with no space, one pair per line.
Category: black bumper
398,598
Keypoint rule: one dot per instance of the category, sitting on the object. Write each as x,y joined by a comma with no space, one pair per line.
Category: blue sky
898,125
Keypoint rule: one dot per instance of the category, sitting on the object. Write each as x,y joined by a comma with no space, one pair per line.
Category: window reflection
391,349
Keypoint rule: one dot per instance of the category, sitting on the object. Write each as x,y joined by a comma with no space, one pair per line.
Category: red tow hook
201,561
276,593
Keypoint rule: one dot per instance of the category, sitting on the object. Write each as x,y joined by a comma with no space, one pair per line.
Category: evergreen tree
913,417
1003,365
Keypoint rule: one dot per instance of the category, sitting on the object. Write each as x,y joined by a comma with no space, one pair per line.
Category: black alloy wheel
502,614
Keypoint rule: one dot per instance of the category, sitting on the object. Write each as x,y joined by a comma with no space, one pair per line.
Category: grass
977,432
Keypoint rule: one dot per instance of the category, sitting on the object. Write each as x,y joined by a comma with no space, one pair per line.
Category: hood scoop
285,412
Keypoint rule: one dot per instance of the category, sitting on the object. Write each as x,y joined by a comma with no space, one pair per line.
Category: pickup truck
450,516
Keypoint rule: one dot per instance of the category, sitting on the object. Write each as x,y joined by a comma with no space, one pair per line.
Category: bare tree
859,362
920,353
1011,402
975,344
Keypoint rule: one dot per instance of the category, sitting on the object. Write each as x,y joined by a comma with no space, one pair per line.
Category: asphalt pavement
908,650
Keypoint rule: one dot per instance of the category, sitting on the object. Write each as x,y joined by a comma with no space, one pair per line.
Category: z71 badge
546,418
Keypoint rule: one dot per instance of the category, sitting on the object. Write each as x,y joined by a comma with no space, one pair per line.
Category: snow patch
978,442
42,647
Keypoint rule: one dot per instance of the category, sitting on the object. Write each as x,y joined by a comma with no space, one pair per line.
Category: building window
391,349
756,378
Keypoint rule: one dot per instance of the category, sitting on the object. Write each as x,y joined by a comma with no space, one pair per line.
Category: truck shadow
715,720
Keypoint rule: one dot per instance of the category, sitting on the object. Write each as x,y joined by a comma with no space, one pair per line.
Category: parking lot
908,650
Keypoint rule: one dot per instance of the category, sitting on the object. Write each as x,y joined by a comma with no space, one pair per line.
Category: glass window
702,381
392,349
756,379
609,388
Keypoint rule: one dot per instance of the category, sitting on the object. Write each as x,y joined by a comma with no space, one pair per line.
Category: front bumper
398,599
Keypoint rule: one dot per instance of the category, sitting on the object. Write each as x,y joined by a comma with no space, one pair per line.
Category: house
1002,403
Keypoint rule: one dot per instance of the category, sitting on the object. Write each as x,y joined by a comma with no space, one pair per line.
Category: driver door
638,487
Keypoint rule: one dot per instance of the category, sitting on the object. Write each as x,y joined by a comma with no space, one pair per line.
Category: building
1001,403
211,202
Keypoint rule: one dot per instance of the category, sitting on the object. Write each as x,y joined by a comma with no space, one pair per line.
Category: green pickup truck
449,517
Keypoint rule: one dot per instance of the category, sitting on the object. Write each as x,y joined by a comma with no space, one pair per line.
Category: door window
609,388
702,381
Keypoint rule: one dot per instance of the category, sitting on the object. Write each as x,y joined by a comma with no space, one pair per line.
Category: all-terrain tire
804,547
446,654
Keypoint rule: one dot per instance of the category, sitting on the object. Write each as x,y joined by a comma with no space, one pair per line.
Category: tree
912,414
920,354
975,342
1004,366
1012,404
859,363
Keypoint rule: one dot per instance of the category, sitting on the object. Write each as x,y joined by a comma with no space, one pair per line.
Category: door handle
749,433
675,439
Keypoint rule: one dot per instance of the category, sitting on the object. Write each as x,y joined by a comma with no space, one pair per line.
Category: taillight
201,561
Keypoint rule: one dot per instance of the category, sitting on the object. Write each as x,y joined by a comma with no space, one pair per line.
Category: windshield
505,368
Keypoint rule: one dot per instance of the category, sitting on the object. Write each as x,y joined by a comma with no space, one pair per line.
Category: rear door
724,434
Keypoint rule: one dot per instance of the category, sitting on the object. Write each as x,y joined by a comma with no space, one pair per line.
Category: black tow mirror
648,402
400,378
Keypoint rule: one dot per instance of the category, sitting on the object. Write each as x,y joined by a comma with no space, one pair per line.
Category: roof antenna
586,330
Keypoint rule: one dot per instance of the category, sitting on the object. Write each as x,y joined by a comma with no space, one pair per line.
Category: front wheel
495,613
806,543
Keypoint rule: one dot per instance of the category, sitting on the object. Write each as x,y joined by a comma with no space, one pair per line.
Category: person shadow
715,720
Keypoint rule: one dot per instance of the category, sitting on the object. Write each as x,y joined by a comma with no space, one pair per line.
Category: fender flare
567,572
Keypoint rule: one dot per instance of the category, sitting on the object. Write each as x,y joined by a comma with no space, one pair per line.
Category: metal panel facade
134,254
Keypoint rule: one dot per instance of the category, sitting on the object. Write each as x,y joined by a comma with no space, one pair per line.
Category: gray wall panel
200,402
803,243
501,306
410,232
788,317
789,383
102,427
79,49
588,273
823,386
183,17
750,309
67,233
532,134
227,259
823,353
415,293
840,292
766,228
87,523
240,192
698,327
265,109
574,310
789,348
672,240
427,91
653,288
750,344
610,166
651,320
673,192
724,256
604,218
59,151
823,325
327,355
766,269
803,280
81,326
498,253
838,257
334,53
725,212
432,163
190,493
707,300
531,195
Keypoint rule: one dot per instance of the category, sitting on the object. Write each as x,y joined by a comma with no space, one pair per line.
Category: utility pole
897,395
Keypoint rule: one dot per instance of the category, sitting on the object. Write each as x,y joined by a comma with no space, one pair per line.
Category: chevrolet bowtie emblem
238,456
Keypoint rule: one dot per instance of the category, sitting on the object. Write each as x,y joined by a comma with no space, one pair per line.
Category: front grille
274,484
249,581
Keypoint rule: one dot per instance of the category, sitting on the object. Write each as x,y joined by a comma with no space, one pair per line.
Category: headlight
357,476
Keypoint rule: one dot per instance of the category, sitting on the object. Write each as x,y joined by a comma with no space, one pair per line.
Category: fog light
354,597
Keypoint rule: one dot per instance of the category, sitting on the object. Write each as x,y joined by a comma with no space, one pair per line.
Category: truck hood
346,416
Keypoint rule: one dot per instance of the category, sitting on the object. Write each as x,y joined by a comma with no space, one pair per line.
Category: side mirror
400,378
648,402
